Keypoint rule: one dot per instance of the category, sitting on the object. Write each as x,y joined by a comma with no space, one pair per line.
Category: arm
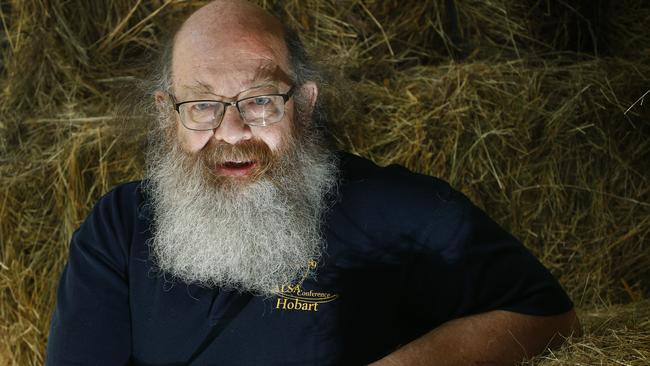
91,321
492,338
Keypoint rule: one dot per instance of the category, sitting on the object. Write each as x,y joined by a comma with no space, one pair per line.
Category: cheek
192,141
274,136
284,132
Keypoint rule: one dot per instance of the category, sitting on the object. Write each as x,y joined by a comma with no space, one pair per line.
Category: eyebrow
269,72
199,87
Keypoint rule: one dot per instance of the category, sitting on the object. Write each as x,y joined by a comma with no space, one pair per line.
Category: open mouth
236,168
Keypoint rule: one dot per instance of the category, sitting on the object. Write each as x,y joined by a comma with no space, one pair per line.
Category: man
250,243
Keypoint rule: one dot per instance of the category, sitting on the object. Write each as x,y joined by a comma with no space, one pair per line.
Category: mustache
217,152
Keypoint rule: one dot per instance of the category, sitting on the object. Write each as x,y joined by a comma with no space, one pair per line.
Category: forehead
269,78
228,61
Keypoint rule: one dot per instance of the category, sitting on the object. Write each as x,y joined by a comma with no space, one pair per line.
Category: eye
262,100
202,107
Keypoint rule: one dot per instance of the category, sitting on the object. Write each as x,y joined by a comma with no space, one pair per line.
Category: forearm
494,338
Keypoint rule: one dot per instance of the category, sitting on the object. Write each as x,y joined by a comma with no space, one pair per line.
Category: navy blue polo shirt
404,254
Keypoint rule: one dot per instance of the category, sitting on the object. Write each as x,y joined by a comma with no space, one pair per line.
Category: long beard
252,235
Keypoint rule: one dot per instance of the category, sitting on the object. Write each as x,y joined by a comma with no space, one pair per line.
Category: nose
232,129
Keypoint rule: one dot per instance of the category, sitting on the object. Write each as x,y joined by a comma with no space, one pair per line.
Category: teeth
237,163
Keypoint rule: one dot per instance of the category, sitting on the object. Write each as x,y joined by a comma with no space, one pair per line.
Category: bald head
232,16
233,40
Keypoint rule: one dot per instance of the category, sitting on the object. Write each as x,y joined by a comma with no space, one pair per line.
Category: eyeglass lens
258,111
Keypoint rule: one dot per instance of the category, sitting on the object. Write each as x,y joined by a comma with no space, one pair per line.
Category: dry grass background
534,109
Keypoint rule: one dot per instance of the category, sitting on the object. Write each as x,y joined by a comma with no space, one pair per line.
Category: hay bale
615,335
484,94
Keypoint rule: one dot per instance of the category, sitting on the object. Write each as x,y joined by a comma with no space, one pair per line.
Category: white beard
254,238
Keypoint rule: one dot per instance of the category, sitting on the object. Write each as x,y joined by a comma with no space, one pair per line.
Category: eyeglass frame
235,103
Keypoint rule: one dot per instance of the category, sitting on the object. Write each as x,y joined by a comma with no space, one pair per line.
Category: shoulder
121,203
365,185
358,171
109,227
389,205
123,195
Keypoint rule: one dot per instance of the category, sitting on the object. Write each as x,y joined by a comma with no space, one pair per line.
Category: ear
161,98
310,91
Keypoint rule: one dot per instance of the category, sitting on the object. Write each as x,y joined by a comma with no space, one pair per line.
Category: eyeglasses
259,110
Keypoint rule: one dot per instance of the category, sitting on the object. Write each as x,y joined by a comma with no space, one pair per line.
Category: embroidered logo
295,297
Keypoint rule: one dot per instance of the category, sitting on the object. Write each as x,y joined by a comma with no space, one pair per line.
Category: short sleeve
91,320
482,267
